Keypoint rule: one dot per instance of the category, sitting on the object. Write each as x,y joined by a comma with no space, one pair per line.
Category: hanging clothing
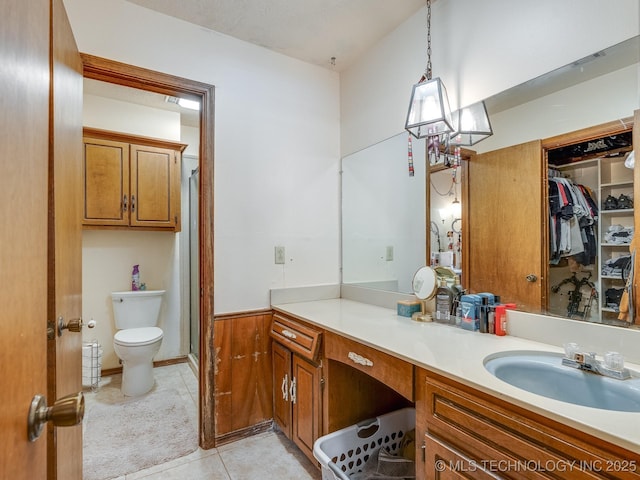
573,216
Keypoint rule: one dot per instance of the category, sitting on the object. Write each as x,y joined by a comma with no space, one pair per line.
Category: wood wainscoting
243,375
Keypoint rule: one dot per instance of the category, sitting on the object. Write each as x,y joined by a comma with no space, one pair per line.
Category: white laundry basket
345,451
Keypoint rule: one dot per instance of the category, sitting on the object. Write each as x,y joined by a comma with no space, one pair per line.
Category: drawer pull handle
360,360
289,334
283,387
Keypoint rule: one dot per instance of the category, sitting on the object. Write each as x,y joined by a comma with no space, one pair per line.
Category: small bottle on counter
458,291
444,301
500,320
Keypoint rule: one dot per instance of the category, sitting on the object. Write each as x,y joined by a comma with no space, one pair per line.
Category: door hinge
51,330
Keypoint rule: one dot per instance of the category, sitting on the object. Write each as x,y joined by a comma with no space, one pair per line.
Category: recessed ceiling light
183,102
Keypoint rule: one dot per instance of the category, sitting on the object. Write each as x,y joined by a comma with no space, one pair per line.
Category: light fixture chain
428,70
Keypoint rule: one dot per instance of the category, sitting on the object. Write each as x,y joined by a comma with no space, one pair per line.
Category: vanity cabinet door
281,358
506,240
508,441
306,401
445,463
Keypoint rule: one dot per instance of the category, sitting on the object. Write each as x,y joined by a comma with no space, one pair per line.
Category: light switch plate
279,255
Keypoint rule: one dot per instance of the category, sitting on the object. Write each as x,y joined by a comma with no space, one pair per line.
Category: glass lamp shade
429,112
471,125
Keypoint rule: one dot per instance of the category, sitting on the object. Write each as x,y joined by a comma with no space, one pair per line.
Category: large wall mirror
386,227
383,214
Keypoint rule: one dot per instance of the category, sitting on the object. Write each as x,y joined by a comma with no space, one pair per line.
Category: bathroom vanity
469,424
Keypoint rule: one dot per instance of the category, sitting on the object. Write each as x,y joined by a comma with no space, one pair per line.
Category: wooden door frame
110,71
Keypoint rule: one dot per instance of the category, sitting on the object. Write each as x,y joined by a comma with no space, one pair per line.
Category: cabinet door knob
125,204
133,203
531,278
292,390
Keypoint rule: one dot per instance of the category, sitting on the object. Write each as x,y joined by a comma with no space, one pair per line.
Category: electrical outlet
279,255
390,253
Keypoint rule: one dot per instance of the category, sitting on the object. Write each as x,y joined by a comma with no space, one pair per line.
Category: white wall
276,145
117,116
479,49
108,256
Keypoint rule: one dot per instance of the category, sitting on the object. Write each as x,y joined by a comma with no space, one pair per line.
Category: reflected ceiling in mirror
600,63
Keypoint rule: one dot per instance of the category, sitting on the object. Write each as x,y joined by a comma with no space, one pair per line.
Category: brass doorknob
73,325
65,412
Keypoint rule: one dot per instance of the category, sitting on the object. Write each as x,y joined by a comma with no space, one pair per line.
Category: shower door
194,264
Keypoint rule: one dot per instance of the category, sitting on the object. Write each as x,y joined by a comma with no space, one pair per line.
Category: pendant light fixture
471,124
429,112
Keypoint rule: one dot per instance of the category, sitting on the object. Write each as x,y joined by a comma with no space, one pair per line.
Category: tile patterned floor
266,456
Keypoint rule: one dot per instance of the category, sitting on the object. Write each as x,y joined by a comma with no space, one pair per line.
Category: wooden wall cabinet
297,382
470,434
131,182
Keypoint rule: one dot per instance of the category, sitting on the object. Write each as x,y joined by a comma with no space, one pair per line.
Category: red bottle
501,320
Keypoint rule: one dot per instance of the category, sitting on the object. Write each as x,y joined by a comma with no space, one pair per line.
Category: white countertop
459,354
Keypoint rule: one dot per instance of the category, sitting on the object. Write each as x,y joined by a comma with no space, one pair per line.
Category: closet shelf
615,244
618,210
617,184
607,309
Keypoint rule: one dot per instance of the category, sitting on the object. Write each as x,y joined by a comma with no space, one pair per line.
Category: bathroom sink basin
542,373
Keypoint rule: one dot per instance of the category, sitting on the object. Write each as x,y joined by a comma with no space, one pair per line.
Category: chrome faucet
612,366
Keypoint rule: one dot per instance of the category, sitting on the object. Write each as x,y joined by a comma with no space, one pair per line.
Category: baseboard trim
160,363
244,433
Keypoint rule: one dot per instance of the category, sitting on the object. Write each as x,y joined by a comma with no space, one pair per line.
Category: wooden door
155,174
24,130
281,363
306,415
65,242
105,169
507,225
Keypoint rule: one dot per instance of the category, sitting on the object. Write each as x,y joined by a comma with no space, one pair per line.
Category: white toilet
138,339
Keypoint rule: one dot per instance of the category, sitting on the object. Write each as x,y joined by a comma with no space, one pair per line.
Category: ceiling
310,30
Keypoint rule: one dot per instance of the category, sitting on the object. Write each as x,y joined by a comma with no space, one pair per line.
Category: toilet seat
137,336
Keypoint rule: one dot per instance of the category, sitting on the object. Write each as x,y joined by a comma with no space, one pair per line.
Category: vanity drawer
515,443
298,338
393,372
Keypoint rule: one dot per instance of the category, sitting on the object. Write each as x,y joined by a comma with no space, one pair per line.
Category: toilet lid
137,336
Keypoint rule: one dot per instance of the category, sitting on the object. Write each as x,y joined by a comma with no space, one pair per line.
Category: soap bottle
458,291
135,278
444,301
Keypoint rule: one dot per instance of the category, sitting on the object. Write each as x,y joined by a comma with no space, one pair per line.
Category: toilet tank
136,309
